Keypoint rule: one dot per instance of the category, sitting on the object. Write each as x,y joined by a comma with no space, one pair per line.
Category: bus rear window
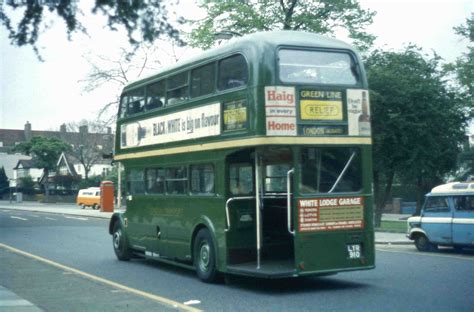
316,67
330,170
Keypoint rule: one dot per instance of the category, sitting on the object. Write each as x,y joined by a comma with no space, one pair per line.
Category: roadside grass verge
393,227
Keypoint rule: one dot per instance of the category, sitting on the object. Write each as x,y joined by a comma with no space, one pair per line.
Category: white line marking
76,218
19,218
15,303
426,254
50,218
192,302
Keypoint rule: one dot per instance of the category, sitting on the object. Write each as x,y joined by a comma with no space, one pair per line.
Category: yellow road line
162,300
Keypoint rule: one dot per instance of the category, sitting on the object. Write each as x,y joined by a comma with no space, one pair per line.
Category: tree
45,152
4,184
27,185
465,164
246,16
90,146
463,71
463,67
143,20
116,72
418,125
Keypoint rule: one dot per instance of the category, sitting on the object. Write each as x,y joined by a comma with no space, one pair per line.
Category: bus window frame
216,63
191,166
355,69
218,75
215,68
359,155
148,97
186,86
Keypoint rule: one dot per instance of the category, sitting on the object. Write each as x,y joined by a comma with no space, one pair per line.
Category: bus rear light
301,266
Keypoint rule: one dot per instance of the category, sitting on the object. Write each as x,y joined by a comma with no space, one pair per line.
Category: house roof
26,164
68,161
10,138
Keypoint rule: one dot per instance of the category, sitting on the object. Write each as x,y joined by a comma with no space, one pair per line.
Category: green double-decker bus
253,158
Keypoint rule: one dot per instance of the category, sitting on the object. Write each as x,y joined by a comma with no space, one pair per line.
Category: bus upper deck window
177,89
136,101
233,72
317,67
202,80
155,95
123,106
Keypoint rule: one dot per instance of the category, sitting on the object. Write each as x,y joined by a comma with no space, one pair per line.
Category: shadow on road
267,286
291,285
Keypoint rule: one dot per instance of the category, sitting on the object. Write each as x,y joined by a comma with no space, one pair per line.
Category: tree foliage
463,70
246,16
464,65
45,152
4,184
116,72
418,125
144,20
27,185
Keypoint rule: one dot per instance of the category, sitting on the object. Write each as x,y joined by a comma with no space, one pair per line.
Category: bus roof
258,40
453,188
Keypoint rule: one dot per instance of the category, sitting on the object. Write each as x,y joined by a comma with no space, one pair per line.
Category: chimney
83,129
27,131
83,133
62,132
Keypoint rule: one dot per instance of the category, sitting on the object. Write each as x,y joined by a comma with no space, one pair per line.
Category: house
70,171
10,161
25,168
18,166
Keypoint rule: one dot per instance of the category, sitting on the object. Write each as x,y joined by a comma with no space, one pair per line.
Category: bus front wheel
120,242
205,256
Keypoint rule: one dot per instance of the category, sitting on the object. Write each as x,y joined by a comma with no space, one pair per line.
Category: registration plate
354,251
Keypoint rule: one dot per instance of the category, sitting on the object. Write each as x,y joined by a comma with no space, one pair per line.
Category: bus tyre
423,244
120,243
205,256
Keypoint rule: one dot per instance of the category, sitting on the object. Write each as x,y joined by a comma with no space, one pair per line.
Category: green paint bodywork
165,225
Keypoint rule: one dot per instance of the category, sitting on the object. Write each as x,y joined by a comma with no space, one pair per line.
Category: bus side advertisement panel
329,214
193,123
280,110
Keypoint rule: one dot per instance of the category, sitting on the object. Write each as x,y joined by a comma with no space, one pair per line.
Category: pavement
74,210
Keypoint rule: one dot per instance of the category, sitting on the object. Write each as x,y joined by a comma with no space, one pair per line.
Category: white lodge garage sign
326,214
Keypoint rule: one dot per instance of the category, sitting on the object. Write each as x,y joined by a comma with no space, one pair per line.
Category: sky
50,93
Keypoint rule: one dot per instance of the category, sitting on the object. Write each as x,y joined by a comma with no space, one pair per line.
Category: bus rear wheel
205,256
120,243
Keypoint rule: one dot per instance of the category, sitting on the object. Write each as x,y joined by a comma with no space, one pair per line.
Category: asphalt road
404,280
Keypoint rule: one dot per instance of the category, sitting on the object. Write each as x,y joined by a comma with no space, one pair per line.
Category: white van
89,197
447,218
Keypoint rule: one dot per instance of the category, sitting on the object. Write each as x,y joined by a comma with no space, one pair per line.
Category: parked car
89,197
447,218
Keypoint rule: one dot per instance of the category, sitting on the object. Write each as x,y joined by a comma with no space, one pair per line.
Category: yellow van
89,197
